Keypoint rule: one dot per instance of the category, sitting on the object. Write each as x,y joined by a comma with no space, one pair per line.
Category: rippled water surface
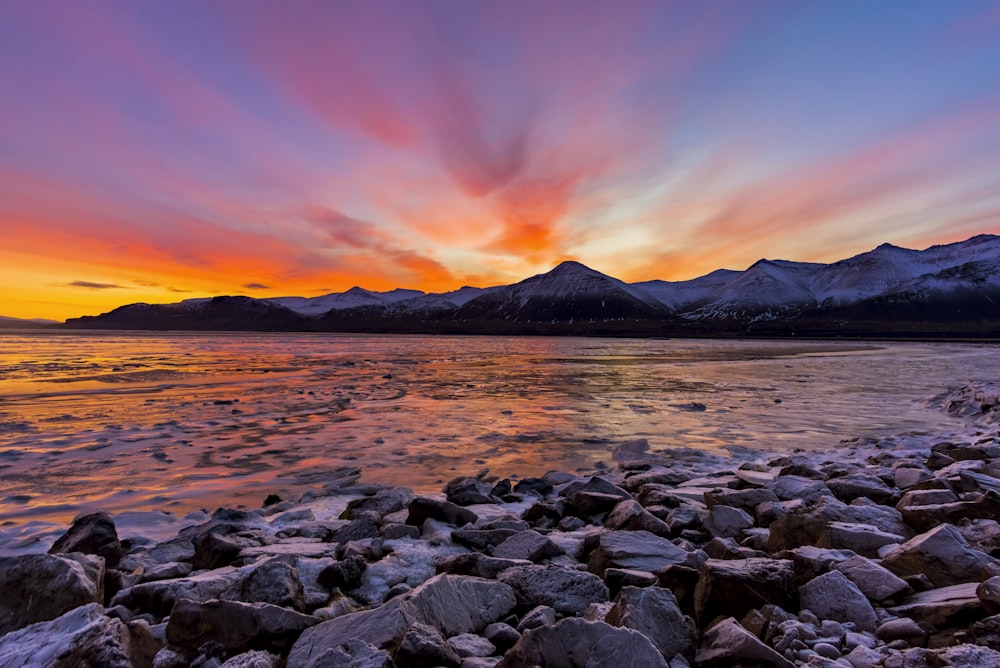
181,421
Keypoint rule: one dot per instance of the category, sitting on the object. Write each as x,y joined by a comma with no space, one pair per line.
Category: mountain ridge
945,289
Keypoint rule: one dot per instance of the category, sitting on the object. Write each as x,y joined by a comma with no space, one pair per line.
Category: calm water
182,421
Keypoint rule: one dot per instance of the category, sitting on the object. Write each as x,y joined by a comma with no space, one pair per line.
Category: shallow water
184,421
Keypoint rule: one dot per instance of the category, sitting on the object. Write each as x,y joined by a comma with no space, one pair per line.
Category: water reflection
184,421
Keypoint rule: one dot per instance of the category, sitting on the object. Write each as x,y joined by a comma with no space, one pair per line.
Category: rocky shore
881,553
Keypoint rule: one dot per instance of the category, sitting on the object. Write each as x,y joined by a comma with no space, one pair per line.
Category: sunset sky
157,151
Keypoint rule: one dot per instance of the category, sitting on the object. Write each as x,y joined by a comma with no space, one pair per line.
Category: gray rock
567,590
424,647
915,498
966,656
988,592
274,581
942,554
654,613
344,574
727,522
943,607
502,636
455,604
40,587
806,525
541,615
422,508
635,550
234,624
576,643
924,518
833,596
91,534
905,477
788,487
253,659
728,644
480,539
876,582
735,587
616,578
901,628
393,531
529,545
384,502
478,565
167,571
855,485
744,499
864,539
468,491
382,627
81,637
629,515
469,644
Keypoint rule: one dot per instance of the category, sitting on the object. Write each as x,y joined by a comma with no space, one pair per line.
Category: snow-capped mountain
952,288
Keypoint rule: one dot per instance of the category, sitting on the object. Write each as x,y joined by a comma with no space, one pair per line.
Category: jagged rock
541,615
985,632
167,571
424,647
213,550
729,644
422,508
345,574
478,565
915,498
83,636
355,653
735,587
502,636
382,627
39,587
905,477
833,596
384,502
454,604
274,581
616,578
235,625
529,545
924,518
538,486
92,534
480,539
744,499
876,582
855,485
809,490
567,590
942,554
654,613
727,522
988,592
806,525
253,659
864,539
629,515
635,550
964,656
982,534
470,645
577,643
468,491
957,605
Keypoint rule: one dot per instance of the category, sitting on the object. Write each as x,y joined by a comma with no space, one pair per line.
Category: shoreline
875,553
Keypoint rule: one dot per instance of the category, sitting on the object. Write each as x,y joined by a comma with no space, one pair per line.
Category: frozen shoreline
881,552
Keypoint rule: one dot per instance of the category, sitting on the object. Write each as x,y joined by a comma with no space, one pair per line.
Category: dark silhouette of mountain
947,290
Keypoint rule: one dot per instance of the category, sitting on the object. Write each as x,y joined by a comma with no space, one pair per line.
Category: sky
153,151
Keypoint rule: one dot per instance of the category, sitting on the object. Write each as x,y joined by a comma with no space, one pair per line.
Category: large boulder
382,627
806,525
423,508
80,637
738,586
424,647
567,590
833,596
925,517
91,534
957,605
654,613
876,582
236,626
942,554
634,550
854,485
39,587
577,643
629,515
529,545
729,644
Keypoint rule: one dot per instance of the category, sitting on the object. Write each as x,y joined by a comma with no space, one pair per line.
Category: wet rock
235,625
529,545
384,502
422,508
39,587
942,554
468,491
92,534
631,516
424,647
727,522
576,643
654,612
876,582
957,605
478,565
83,636
567,590
729,644
634,550
538,486
735,587
855,485
345,574
833,596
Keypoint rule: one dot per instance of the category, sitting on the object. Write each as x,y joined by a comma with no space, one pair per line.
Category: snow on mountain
767,290
344,300
677,294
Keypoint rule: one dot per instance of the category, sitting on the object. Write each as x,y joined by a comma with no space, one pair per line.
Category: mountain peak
571,267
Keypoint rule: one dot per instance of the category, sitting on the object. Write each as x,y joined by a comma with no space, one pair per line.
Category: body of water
183,421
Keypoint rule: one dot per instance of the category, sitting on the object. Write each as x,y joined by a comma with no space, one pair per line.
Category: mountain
946,290
23,323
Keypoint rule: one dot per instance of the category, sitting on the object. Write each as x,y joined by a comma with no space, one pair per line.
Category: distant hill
26,323
946,290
